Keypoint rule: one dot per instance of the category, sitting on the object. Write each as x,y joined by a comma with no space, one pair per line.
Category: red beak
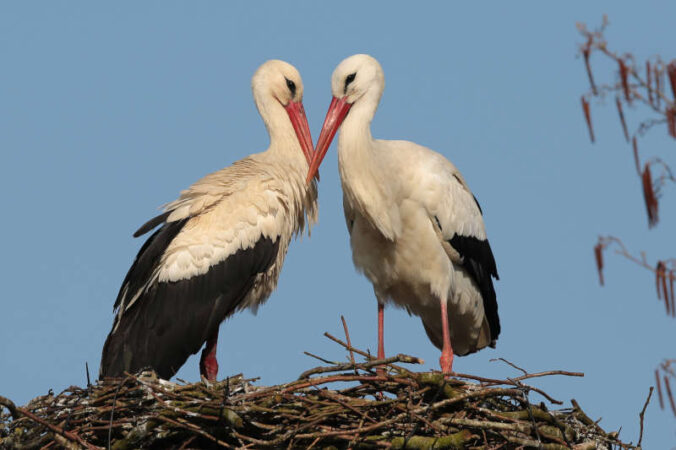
334,117
296,113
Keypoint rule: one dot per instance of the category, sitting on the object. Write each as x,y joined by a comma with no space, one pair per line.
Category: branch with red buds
665,270
634,85
663,373
644,87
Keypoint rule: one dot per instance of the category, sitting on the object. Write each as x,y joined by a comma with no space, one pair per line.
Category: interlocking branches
635,83
350,405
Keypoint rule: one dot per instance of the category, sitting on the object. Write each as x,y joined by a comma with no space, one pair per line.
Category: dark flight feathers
172,320
479,262
152,223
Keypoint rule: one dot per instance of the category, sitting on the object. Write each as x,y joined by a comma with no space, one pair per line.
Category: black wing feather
172,320
148,258
152,223
479,262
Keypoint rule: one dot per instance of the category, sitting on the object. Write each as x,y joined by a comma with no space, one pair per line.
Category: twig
194,429
347,338
325,361
7,403
112,412
366,365
509,363
348,347
89,383
549,373
642,413
67,434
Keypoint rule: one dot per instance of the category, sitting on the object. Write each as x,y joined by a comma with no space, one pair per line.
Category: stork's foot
208,362
208,366
446,362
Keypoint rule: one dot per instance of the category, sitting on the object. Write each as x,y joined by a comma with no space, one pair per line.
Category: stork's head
358,80
277,83
356,77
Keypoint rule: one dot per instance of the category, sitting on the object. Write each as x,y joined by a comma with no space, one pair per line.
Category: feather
479,262
172,320
152,223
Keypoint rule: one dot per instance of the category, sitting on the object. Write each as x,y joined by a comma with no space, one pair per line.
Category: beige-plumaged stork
416,230
220,245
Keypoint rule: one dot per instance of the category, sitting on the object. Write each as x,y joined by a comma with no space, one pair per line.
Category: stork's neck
283,140
363,171
285,161
285,147
357,124
356,146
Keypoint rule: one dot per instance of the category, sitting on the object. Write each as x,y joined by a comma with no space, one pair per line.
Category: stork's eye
292,86
349,79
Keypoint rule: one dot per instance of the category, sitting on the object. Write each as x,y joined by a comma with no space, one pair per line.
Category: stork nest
372,404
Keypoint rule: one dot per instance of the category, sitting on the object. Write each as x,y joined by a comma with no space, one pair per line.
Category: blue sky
107,111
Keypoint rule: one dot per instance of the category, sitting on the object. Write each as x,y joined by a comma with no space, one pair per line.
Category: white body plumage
403,247
416,230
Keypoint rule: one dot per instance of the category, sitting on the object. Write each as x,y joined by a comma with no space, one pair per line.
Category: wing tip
152,223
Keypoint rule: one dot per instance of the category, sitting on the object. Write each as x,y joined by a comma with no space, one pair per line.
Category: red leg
381,327
446,360
208,362
381,337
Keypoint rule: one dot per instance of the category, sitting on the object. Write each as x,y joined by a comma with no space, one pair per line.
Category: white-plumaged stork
416,230
220,245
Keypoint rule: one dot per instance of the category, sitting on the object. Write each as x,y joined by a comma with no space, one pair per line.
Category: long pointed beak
334,117
296,113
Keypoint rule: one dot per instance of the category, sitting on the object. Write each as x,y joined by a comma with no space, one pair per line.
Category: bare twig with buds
634,85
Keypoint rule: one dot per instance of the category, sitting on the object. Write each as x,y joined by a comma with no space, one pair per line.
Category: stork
220,246
416,230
